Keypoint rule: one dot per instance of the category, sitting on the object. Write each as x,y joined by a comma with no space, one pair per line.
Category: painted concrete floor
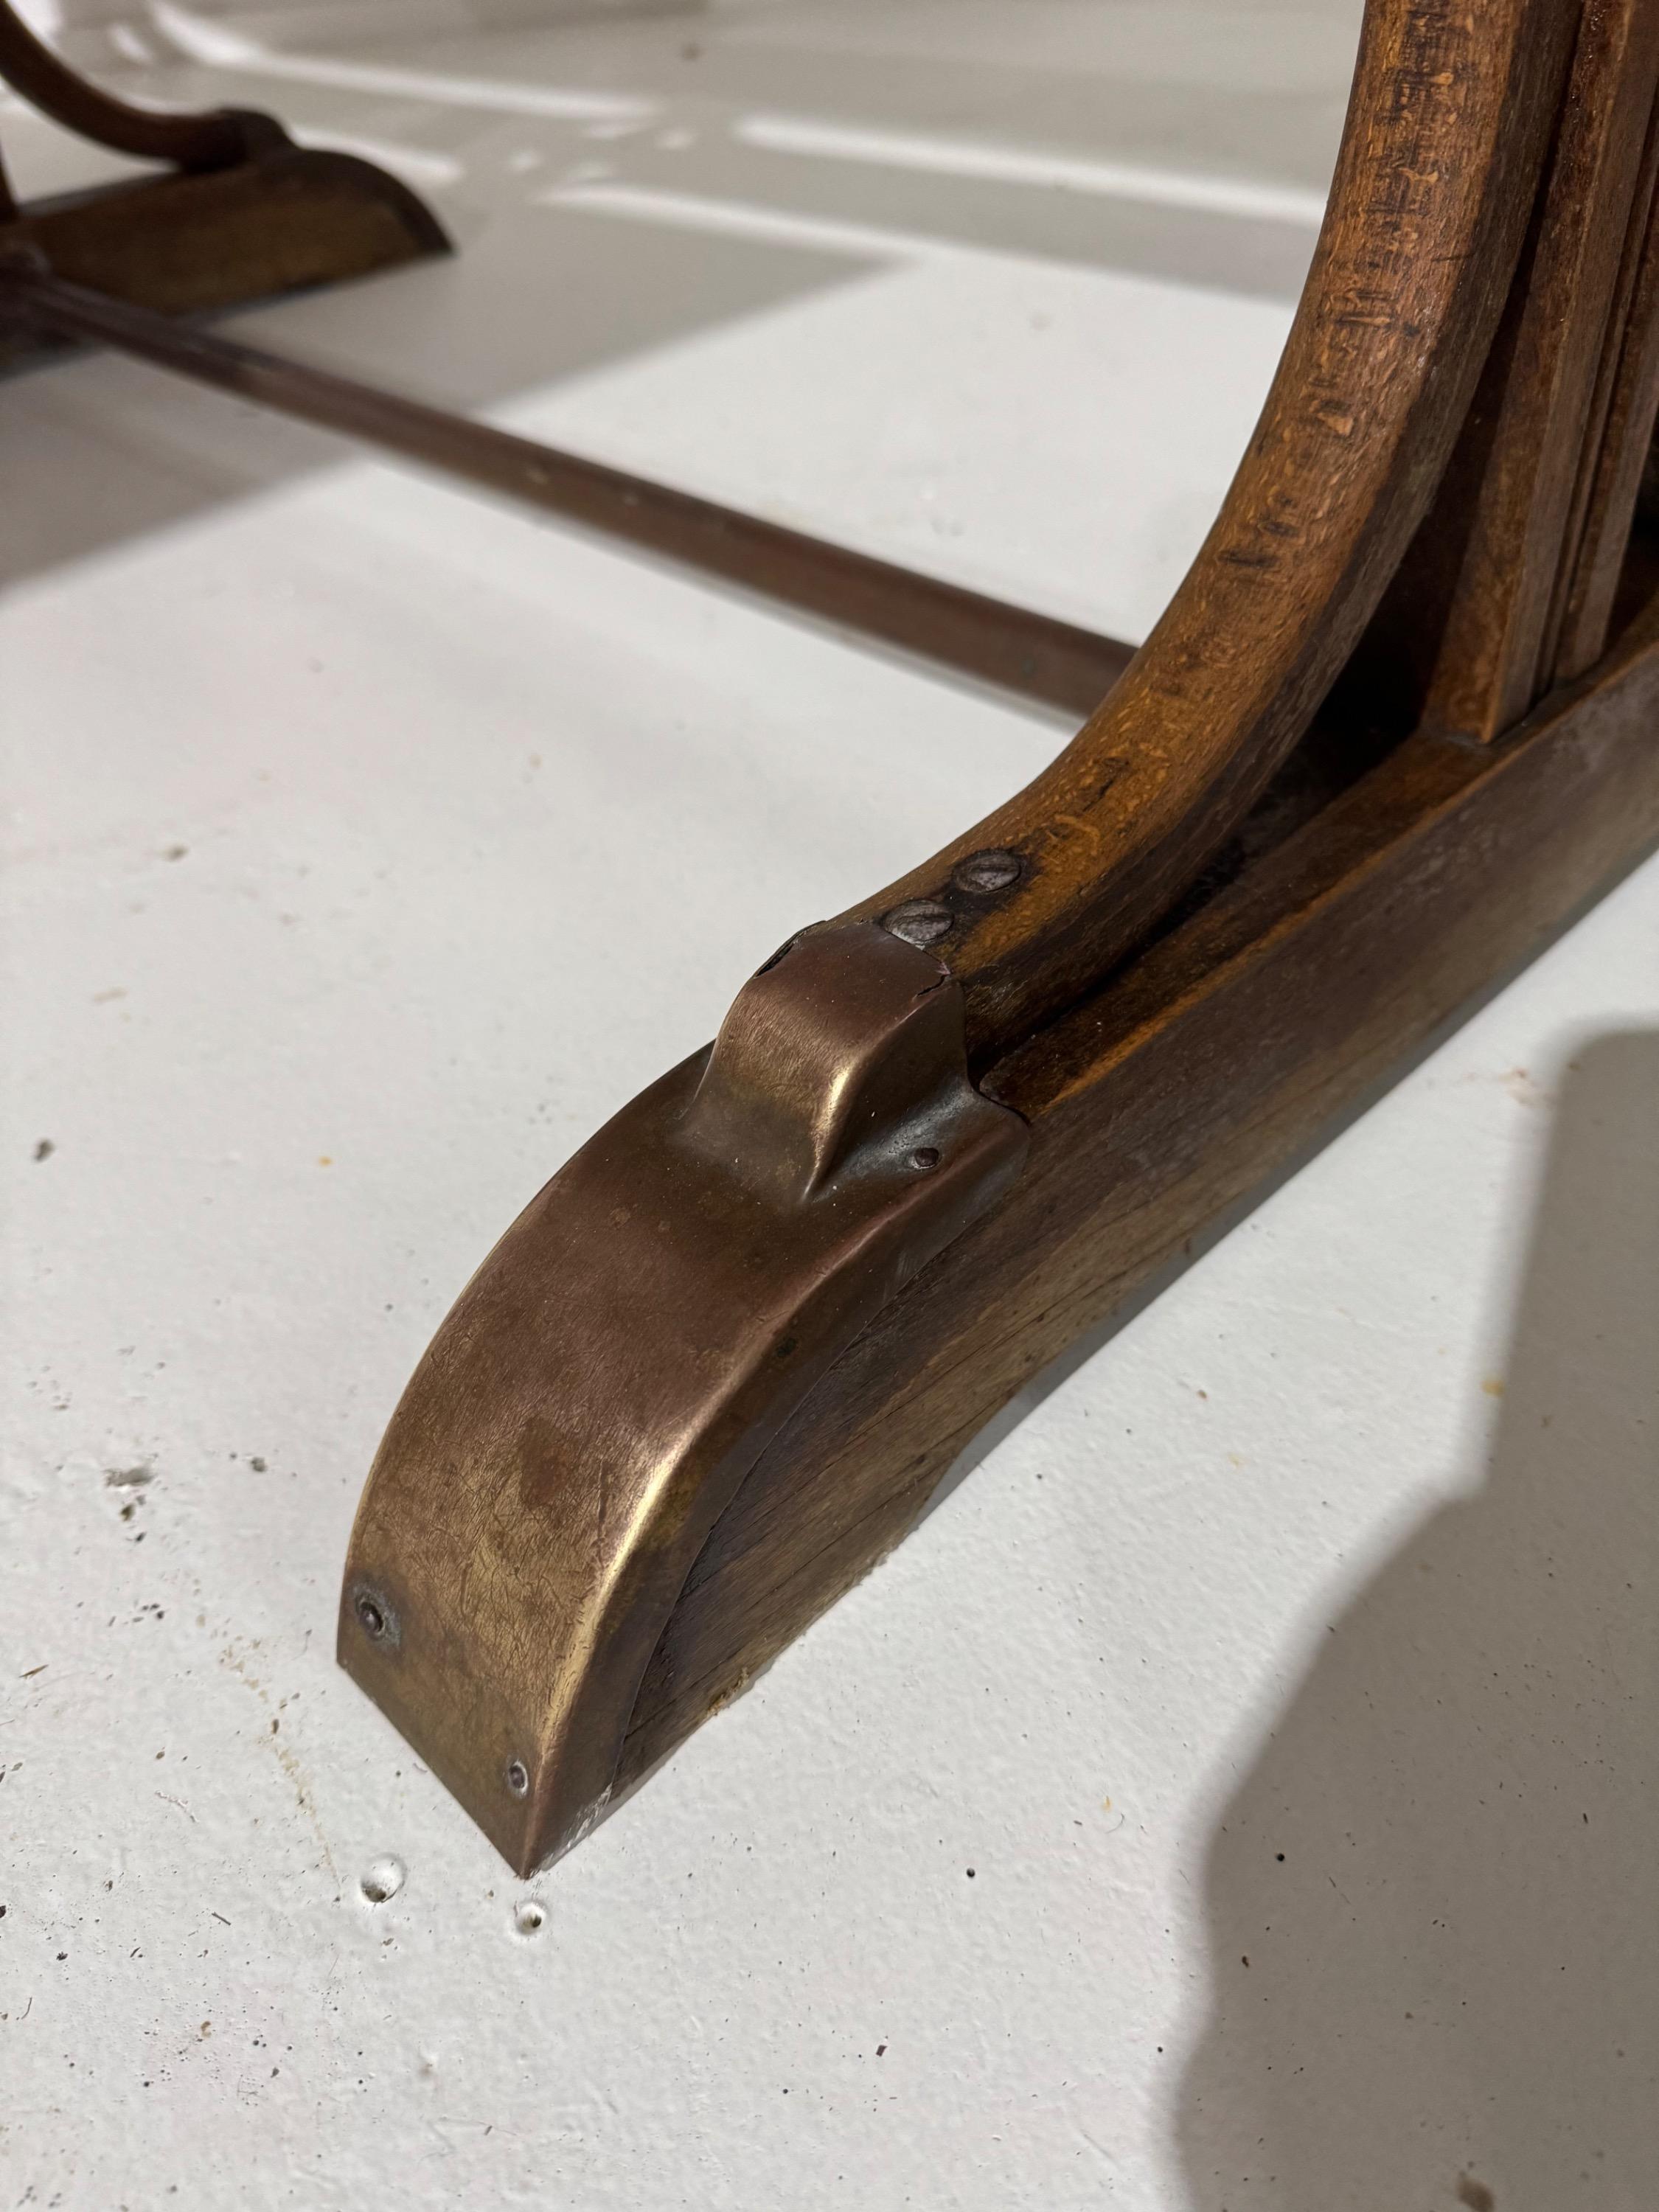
1241,1791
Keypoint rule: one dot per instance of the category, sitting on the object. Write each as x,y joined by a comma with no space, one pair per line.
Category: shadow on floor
1433,1903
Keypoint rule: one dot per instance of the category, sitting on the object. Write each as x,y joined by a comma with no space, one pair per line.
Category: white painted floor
1241,1792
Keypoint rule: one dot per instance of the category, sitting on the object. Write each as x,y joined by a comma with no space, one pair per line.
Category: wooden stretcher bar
249,216
970,633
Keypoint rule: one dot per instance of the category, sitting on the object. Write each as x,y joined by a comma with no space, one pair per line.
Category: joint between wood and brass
611,1375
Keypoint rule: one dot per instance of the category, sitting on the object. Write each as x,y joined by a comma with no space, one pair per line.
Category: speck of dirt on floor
383,1880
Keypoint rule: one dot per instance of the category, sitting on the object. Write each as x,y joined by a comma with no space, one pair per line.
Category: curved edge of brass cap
619,1362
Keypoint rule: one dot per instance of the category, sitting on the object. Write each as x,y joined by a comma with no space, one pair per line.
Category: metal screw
924,1157
371,1615
517,1778
919,922
992,870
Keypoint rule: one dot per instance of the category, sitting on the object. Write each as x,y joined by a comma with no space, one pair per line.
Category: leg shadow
1444,1869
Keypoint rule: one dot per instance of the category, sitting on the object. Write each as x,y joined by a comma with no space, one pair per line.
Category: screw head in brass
919,922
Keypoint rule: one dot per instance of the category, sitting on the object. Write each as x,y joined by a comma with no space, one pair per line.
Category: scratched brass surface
623,1355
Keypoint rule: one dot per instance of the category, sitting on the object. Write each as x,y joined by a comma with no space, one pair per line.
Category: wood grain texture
1624,409
1447,133
1154,1108
1471,613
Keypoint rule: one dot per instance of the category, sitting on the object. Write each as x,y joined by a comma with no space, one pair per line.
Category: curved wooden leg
215,140
716,1367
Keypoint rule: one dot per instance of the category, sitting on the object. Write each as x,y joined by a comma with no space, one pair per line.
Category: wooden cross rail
1397,723
968,632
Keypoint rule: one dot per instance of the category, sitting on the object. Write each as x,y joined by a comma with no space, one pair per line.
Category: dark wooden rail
966,631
